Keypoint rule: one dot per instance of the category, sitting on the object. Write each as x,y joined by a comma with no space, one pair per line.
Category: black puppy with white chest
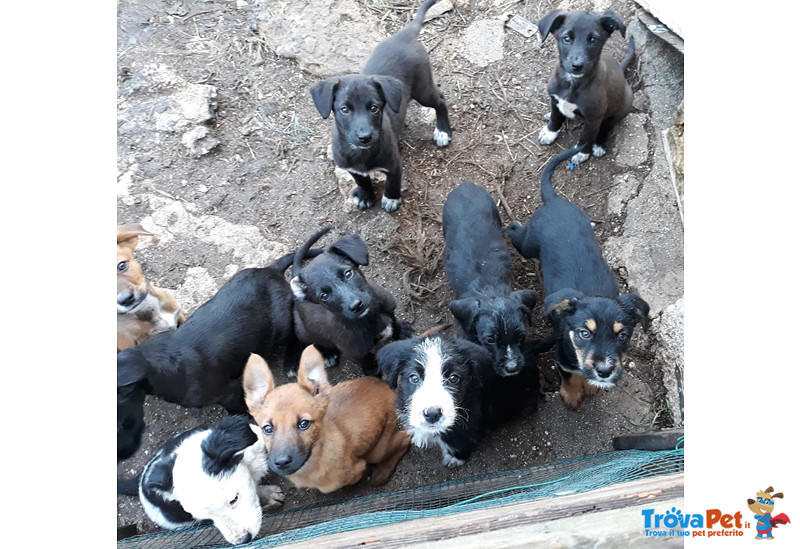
592,322
586,83
337,309
478,266
365,131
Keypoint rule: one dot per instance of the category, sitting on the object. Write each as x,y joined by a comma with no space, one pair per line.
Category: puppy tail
631,54
547,189
416,24
286,261
128,486
303,252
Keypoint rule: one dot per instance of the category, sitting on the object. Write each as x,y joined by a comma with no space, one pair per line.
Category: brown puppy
323,436
142,310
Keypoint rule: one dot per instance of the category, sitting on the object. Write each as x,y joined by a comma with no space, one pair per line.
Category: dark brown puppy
586,83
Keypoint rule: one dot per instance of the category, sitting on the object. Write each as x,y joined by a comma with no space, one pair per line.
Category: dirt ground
270,175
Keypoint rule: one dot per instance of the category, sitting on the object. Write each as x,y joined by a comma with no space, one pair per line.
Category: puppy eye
566,39
490,340
122,266
348,274
374,108
622,336
592,39
304,424
235,499
413,378
323,296
344,109
455,378
268,429
584,333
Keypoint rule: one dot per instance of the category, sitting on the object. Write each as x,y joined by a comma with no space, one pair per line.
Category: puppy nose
365,138
282,461
432,415
577,66
604,370
357,306
244,539
125,299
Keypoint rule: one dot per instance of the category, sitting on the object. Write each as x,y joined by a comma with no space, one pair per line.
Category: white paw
598,151
390,204
361,204
331,361
441,138
271,495
546,137
580,157
449,460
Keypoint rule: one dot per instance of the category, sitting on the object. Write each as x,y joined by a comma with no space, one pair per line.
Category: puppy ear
777,495
391,89
257,381
562,302
353,248
551,22
299,288
223,449
611,22
311,374
636,307
465,311
526,300
128,235
132,367
392,356
322,94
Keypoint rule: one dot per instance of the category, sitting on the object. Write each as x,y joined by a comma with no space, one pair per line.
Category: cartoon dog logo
762,506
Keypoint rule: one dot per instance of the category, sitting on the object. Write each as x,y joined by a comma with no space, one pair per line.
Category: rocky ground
222,155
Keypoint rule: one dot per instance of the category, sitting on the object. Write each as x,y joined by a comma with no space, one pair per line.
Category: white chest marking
567,109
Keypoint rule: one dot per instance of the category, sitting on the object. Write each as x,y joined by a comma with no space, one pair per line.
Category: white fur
298,288
598,151
579,157
390,204
209,497
546,137
567,109
510,362
448,459
441,138
361,204
432,392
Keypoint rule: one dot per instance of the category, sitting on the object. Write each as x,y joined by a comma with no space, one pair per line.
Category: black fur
222,450
201,363
478,266
399,361
365,132
337,310
581,292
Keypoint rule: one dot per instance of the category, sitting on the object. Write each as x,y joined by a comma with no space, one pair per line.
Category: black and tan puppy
365,131
592,322
586,83
201,363
337,309
322,436
478,266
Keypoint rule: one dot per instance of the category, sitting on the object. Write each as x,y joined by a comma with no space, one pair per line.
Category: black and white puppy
365,131
592,322
439,392
201,363
337,309
209,473
586,82
478,267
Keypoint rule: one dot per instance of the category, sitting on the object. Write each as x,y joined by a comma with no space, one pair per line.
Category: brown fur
353,424
158,311
574,389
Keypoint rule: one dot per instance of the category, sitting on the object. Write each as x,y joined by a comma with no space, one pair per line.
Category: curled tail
305,251
630,56
548,192
416,24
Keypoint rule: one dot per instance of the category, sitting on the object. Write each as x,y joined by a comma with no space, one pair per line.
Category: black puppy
478,266
202,362
365,132
592,322
337,309
439,392
586,82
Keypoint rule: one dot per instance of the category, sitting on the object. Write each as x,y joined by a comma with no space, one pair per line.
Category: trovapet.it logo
676,523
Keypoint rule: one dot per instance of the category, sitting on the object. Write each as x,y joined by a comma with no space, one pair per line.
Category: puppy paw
331,360
442,139
598,151
580,157
270,495
546,137
361,200
449,460
390,204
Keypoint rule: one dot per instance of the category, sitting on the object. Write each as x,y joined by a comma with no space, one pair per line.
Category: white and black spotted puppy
210,473
439,392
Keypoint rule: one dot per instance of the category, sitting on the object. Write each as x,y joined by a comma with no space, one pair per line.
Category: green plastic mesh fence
469,494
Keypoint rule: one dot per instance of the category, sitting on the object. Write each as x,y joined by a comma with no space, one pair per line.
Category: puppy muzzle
604,374
129,300
286,462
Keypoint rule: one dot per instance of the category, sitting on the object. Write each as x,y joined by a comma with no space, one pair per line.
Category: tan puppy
322,436
142,310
